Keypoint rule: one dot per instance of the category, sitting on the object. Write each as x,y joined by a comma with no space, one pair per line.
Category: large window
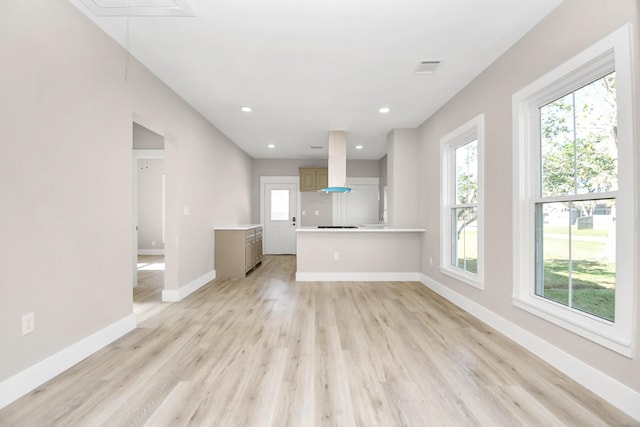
461,241
576,211
574,195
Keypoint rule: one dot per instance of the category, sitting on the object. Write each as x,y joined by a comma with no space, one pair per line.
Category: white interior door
279,217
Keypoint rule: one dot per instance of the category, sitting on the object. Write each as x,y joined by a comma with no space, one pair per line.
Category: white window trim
612,52
473,129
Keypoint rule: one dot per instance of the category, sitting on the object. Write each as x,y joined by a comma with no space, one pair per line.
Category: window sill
587,326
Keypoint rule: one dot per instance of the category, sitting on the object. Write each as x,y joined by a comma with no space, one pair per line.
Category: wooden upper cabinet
313,179
307,179
322,178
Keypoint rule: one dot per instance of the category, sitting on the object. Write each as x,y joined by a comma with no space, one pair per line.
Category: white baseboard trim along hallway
175,295
609,389
23,382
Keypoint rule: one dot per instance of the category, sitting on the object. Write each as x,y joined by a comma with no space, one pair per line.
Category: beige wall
66,216
315,209
574,26
402,178
205,172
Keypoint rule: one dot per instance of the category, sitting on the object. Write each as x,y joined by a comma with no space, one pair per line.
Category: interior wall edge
176,295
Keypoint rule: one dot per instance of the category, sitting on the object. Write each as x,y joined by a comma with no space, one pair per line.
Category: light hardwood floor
267,351
147,296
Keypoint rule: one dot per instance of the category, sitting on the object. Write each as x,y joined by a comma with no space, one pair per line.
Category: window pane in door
279,205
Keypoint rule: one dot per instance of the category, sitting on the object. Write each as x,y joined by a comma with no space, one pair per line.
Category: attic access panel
168,8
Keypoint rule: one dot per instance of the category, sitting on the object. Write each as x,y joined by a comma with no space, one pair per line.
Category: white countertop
361,229
238,227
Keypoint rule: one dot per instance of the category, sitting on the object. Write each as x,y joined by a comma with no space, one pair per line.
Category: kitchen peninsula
358,254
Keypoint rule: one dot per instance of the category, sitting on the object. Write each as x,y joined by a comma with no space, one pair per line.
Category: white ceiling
307,67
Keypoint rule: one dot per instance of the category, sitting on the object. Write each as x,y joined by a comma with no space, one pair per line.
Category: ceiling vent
316,147
426,67
170,8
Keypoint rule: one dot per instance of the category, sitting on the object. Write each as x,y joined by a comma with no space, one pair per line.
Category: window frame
466,133
611,53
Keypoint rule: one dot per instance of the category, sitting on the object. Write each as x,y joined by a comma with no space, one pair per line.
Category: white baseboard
175,295
621,396
23,382
357,277
150,251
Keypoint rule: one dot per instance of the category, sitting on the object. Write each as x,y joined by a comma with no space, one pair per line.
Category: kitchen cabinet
313,179
238,250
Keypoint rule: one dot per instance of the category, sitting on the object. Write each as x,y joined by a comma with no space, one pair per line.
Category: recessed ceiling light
359,147
247,109
384,110
271,146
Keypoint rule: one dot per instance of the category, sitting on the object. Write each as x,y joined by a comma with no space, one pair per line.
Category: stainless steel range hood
337,163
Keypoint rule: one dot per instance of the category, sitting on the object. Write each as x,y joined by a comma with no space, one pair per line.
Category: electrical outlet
431,261
187,211
28,323
317,213
153,243
336,256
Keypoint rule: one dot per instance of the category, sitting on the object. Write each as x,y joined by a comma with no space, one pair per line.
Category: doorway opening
149,184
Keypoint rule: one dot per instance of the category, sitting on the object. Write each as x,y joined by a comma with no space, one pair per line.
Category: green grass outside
594,279
559,229
468,248
593,286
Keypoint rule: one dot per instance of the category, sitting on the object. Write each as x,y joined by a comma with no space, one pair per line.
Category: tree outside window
464,214
576,211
